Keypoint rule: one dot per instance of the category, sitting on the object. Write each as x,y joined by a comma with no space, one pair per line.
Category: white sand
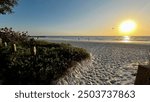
111,63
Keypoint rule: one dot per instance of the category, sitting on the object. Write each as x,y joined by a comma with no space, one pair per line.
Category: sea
126,39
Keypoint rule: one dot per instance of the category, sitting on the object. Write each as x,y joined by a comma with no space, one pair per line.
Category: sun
127,26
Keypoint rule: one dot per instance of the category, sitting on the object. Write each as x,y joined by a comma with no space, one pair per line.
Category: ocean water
145,39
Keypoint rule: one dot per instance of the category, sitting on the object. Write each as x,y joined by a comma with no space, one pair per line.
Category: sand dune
110,64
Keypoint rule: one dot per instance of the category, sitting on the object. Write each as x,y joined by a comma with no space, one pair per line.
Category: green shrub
10,36
50,63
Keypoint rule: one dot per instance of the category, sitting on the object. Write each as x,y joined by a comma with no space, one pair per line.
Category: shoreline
97,41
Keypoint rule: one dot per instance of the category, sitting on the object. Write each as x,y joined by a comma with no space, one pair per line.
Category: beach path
111,64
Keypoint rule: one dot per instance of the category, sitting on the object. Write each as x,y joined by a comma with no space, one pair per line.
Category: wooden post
33,50
14,47
0,41
5,44
143,75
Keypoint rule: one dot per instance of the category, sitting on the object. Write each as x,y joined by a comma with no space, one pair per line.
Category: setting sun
127,26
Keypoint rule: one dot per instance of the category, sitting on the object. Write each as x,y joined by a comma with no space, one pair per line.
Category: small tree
10,36
7,5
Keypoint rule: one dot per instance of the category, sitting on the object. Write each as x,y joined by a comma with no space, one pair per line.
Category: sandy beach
110,64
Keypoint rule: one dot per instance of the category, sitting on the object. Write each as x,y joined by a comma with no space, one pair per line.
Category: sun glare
126,39
127,26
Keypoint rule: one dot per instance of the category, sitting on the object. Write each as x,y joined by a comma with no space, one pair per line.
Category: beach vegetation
51,61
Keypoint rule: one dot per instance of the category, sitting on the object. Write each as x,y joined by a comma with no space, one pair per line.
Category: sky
78,17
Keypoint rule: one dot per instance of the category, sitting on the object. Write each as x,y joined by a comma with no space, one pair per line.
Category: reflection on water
126,39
